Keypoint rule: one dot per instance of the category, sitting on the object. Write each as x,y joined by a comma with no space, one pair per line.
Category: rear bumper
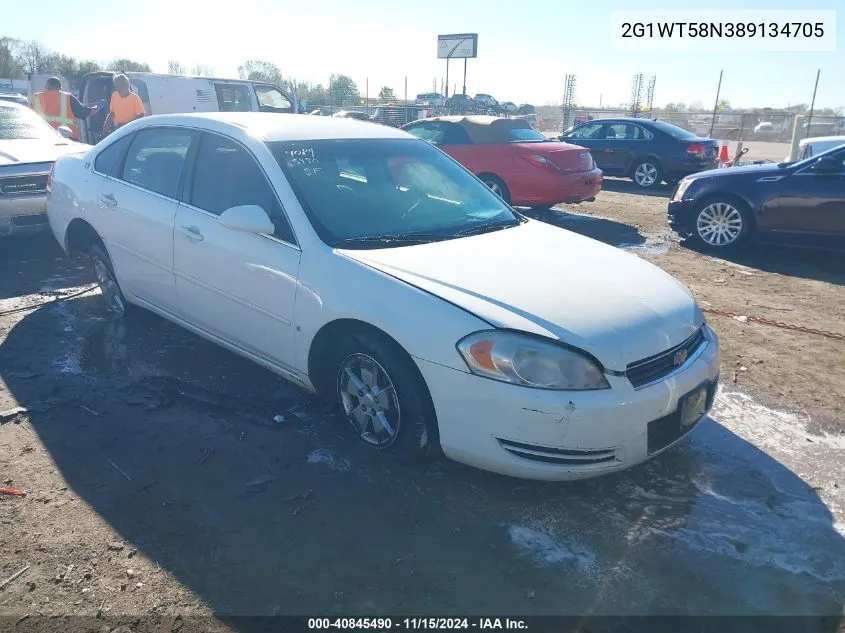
25,213
688,167
557,188
682,217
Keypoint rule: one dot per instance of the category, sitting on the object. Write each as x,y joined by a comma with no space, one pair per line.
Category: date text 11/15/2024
416,624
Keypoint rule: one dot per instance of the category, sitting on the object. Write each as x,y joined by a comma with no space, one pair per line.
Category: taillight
696,149
50,178
540,161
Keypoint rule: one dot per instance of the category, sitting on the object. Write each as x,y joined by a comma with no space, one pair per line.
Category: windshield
387,192
22,123
673,130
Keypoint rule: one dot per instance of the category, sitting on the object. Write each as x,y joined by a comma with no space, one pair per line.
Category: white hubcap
719,224
645,174
369,400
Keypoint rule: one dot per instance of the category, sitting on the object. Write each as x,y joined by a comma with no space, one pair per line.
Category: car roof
823,139
13,104
270,126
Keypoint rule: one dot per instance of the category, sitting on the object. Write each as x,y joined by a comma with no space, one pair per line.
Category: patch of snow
329,459
545,550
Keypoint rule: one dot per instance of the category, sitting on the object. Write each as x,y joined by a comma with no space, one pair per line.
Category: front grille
648,370
559,456
16,185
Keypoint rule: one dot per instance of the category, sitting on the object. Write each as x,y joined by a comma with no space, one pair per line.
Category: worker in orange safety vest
60,108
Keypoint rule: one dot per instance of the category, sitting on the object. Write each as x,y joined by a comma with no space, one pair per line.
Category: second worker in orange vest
60,108
125,106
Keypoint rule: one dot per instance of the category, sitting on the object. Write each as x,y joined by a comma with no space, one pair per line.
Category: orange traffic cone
724,160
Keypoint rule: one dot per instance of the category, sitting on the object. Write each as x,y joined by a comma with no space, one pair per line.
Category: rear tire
647,173
383,396
497,186
722,224
106,280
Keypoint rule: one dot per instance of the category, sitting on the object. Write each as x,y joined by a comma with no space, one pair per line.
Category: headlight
682,188
526,360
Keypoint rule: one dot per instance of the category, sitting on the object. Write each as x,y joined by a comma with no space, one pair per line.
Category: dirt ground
160,490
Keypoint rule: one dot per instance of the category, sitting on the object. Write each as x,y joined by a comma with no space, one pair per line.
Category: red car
521,165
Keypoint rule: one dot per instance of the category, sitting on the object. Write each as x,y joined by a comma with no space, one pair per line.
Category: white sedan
362,263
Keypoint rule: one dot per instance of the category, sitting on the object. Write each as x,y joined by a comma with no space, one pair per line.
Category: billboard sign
457,46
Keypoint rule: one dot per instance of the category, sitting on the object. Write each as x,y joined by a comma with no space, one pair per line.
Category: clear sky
524,51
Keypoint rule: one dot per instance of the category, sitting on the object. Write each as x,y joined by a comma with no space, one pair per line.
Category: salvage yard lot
158,482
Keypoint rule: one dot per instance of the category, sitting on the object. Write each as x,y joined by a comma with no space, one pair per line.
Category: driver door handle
108,199
192,233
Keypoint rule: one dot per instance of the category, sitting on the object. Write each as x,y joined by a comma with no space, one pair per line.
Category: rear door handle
108,199
192,233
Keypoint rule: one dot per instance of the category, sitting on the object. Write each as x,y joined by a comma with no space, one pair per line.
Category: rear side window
226,176
108,161
156,158
588,130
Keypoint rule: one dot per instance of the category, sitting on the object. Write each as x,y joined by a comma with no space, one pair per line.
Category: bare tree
129,65
35,58
386,94
202,70
258,70
175,68
10,66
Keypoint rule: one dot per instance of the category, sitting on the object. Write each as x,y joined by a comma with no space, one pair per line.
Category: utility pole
813,104
447,78
716,105
465,76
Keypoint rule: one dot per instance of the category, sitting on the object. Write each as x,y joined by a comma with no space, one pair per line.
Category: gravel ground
159,488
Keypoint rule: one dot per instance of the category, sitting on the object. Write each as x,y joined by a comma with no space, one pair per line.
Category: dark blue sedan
799,203
647,151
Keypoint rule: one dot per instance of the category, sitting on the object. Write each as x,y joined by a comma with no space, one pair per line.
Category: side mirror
827,165
248,218
65,131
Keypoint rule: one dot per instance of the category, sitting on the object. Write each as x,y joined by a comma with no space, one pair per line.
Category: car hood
37,150
742,170
552,282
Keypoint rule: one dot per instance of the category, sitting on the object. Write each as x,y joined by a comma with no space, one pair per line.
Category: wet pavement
746,517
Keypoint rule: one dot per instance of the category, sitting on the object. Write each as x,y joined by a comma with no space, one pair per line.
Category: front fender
332,286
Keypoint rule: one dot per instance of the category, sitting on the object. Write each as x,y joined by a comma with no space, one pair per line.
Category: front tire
722,224
497,186
383,396
107,281
647,174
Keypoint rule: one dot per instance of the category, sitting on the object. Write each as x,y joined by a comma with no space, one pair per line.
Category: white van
175,94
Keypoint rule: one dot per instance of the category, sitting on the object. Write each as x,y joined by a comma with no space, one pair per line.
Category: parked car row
464,104
473,330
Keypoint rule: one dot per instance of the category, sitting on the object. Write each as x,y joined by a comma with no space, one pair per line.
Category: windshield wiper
485,227
411,238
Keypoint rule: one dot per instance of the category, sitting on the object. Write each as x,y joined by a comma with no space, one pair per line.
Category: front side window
404,191
271,99
155,159
108,161
227,176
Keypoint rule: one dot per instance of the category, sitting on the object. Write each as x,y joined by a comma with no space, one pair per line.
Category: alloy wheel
494,187
645,174
719,224
108,287
369,400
